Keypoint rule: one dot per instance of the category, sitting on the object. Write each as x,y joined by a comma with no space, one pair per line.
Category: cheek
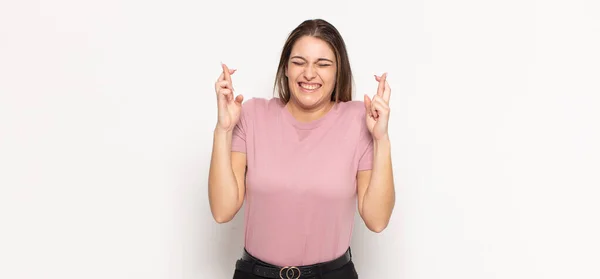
330,77
292,73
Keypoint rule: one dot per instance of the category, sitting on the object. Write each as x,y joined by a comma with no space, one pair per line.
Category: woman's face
311,72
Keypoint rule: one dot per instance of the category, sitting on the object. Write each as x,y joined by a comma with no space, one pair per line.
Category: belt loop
253,265
350,251
320,271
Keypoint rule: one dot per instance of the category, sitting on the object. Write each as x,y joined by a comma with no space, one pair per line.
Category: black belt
252,265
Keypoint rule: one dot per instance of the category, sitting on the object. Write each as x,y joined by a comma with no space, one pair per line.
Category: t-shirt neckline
312,124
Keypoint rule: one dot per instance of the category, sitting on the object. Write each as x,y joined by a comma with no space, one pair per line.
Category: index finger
387,92
381,86
226,72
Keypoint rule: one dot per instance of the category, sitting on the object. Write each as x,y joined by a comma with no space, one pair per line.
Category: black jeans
346,272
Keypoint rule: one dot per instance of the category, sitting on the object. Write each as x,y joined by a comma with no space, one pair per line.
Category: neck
310,114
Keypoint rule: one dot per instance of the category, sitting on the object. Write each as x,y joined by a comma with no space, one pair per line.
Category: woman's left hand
378,110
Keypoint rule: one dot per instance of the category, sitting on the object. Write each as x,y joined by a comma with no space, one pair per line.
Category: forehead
312,48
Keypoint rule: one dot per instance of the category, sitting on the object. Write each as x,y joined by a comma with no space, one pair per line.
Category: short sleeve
365,149
240,131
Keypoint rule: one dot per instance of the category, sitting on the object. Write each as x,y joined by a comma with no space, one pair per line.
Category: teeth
310,86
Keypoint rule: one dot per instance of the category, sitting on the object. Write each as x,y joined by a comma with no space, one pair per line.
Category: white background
107,110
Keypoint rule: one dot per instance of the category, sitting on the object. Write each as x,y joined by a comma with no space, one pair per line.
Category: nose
309,72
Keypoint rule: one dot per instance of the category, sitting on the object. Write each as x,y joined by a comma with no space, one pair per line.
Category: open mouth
309,86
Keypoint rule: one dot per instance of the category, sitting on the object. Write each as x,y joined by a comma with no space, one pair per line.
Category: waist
253,265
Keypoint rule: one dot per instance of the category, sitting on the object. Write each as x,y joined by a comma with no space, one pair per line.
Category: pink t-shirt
301,180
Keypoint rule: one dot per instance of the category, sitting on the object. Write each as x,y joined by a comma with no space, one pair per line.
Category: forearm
379,198
222,185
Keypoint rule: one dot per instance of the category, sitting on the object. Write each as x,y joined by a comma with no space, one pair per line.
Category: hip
249,267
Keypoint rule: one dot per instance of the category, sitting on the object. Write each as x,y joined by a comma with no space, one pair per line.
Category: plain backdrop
107,110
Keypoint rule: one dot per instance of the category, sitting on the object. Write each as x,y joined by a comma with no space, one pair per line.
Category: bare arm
226,187
376,194
226,178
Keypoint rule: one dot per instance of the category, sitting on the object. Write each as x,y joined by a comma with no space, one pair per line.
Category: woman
302,161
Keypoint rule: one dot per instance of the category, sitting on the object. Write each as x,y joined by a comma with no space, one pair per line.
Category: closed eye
300,63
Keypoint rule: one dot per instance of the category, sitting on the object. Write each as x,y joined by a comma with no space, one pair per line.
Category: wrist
222,132
381,147
383,140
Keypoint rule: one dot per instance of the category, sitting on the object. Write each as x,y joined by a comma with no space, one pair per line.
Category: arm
226,186
376,194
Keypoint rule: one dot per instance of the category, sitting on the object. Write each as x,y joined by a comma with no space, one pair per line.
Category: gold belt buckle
290,272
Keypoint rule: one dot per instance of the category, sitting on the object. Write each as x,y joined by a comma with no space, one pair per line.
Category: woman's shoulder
258,101
352,115
257,106
355,108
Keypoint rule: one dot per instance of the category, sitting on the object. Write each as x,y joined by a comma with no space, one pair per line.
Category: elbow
223,210
221,214
222,218
375,225
377,228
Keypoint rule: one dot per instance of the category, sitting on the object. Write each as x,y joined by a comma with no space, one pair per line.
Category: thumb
239,99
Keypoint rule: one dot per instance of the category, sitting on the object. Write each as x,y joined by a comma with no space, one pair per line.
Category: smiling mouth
309,86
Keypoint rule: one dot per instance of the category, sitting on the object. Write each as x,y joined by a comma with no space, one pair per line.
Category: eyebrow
320,59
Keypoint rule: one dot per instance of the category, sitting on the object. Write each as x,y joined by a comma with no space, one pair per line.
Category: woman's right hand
229,108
